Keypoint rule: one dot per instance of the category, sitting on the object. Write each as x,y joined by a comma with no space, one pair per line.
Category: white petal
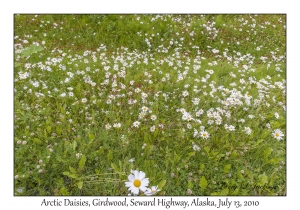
135,190
136,174
131,177
143,188
142,175
145,182
128,184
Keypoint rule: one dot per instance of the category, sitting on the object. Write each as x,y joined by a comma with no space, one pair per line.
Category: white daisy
277,134
152,128
204,134
137,182
195,132
136,124
152,190
247,130
153,117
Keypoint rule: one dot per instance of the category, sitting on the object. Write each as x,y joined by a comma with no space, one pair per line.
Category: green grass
97,57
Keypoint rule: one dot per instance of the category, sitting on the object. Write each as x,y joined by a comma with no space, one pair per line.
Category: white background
9,8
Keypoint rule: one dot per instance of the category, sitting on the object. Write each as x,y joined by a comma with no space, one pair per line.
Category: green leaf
156,132
114,167
227,168
91,136
207,149
202,166
235,192
74,145
190,185
203,183
145,138
48,129
79,184
68,174
73,170
110,155
64,191
81,162
37,141
58,130
262,179
264,134
191,154
30,50
267,153
161,184
224,191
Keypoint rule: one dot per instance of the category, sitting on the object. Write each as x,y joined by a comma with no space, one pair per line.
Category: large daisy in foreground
137,182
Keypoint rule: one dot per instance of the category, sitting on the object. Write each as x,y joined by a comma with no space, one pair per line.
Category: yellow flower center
204,134
277,134
137,183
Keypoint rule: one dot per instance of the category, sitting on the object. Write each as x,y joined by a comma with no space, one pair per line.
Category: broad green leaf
114,167
203,183
224,191
48,129
156,132
262,179
267,153
110,155
37,141
73,170
202,166
191,154
145,138
235,192
207,149
64,191
30,50
264,134
190,185
120,165
67,173
227,168
58,130
74,144
79,184
161,184
91,136
81,162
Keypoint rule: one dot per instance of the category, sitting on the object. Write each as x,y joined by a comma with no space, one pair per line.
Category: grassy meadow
196,102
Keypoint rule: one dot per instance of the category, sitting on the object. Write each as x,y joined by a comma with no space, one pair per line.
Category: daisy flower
117,125
153,117
247,130
152,190
137,182
136,124
152,128
196,147
204,134
195,133
277,134
78,155
131,160
144,109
